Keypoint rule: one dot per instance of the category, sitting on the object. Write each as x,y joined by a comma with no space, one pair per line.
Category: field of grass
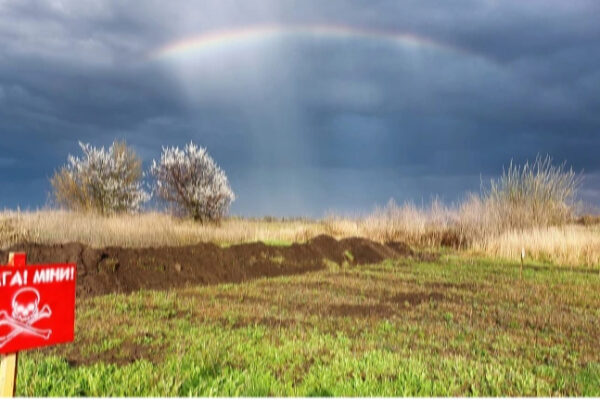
567,245
456,326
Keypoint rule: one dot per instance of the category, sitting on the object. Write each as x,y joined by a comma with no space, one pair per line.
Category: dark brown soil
358,310
393,306
126,353
123,270
414,299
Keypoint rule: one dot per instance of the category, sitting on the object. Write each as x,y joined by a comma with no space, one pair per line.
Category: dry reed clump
530,206
473,226
537,194
434,226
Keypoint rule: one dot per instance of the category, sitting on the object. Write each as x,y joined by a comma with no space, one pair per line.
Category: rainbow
207,41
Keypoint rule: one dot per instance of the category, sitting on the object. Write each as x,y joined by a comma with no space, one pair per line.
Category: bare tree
192,183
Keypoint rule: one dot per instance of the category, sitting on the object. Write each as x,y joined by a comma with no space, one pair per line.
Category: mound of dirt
123,270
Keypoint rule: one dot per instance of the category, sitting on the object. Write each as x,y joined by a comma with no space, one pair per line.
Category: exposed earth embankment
123,270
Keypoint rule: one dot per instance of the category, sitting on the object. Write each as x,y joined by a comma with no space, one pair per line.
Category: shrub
192,183
103,181
535,194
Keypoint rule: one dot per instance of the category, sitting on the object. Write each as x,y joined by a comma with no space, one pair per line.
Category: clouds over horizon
305,124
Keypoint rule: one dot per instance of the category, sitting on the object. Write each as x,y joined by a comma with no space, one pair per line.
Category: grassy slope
454,327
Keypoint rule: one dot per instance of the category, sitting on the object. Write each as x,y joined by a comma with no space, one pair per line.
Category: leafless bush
103,181
535,194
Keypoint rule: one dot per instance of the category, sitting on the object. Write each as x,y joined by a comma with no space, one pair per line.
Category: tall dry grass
477,225
146,230
432,226
570,245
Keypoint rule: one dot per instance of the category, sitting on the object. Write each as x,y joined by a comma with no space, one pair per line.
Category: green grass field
457,326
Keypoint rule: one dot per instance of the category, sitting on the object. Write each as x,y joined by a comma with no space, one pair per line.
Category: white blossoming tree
192,183
103,181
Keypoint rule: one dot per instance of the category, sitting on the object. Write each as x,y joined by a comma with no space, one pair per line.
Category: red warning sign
37,305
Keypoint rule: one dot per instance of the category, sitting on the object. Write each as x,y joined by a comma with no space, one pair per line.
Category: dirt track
114,269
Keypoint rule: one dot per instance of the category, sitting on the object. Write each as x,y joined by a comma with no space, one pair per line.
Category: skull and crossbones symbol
25,313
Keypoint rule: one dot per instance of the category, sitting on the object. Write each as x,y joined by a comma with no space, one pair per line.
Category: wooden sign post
37,309
522,262
8,364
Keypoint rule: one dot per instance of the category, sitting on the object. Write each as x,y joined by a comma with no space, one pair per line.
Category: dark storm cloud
305,125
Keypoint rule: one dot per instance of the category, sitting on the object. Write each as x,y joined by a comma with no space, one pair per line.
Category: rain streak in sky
310,107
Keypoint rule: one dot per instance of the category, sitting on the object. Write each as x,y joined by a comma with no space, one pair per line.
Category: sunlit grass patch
456,326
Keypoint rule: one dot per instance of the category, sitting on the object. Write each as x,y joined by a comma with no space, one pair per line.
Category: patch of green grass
348,255
278,243
460,326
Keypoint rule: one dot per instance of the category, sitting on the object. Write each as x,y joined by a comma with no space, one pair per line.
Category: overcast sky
341,106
